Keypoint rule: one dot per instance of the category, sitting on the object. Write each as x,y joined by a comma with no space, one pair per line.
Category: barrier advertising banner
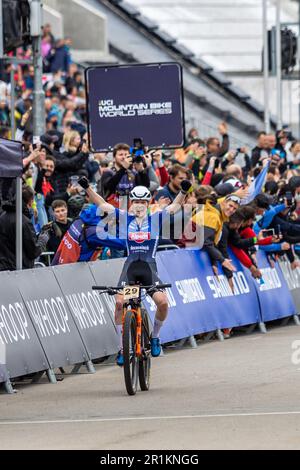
51,317
107,273
149,107
3,373
292,278
23,351
274,296
88,308
199,301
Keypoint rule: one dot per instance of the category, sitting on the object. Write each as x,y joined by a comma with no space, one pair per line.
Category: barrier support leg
51,376
262,327
193,342
8,387
76,368
220,335
296,319
90,367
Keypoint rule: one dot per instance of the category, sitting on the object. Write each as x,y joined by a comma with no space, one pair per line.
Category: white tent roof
225,33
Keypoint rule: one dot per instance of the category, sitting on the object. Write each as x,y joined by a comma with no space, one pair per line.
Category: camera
137,151
289,198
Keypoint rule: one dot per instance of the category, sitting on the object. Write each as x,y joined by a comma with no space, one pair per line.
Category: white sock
156,327
119,331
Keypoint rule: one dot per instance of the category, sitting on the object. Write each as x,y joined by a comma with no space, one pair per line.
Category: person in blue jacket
269,218
87,236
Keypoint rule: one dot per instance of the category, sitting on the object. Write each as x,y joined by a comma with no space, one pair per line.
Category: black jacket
122,181
67,164
57,232
32,246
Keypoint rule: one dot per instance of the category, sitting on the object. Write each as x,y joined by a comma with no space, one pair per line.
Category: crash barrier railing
51,318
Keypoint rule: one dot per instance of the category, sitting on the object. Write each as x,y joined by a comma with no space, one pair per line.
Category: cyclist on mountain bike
140,231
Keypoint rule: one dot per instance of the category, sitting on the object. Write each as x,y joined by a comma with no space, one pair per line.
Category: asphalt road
243,393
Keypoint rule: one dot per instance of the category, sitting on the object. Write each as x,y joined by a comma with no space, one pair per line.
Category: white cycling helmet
140,193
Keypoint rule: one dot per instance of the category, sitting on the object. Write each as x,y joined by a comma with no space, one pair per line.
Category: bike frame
136,309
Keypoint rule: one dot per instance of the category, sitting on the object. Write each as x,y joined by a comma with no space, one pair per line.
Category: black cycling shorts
140,272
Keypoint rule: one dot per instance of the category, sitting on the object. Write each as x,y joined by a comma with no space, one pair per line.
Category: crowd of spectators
221,176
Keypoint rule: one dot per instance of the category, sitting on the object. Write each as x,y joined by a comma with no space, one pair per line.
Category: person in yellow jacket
212,218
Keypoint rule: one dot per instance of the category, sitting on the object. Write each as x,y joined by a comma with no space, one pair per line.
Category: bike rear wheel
129,352
145,360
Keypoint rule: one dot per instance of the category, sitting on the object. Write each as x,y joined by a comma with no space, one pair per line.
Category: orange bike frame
138,316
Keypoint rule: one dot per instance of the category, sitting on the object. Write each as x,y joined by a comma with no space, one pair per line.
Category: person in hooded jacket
33,246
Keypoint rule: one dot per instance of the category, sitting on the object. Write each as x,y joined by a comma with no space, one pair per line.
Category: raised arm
95,198
186,186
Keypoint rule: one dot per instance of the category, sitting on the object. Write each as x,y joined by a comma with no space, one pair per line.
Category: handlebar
114,290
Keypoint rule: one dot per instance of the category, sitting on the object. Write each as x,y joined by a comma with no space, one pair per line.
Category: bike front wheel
131,362
145,360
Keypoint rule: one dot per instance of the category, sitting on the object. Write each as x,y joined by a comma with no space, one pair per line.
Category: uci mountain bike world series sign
135,101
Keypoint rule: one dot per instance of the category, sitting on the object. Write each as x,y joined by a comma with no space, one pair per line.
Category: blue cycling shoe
155,347
120,359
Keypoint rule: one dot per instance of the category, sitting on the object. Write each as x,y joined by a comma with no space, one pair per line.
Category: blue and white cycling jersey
141,240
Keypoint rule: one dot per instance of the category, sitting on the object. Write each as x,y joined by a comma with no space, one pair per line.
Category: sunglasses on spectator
233,198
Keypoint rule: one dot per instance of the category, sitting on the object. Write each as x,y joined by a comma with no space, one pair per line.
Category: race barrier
292,278
201,302
51,318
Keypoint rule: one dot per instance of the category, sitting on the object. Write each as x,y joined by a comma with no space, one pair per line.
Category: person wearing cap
48,142
213,218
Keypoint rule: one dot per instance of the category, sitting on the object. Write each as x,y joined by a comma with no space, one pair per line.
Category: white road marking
151,418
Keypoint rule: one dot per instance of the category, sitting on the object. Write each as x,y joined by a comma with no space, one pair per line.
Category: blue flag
256,186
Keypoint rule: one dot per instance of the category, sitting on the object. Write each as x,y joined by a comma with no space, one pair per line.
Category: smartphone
35,141
268,232
74,180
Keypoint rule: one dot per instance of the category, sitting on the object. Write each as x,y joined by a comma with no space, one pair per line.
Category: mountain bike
135,334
